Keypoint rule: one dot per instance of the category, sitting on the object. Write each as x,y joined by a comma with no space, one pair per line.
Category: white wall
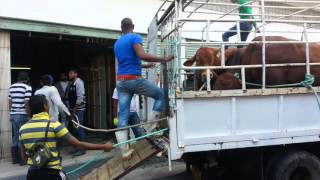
105,14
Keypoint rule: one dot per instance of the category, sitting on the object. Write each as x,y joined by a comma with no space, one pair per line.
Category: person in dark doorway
76,98
51,93
129,53
61,86
19,96
34,131
245,13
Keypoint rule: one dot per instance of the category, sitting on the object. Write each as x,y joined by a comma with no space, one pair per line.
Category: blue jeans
127,88
80,131
17,120
134,119
245,28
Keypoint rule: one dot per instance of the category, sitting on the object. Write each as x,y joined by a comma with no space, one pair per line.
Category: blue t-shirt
128,61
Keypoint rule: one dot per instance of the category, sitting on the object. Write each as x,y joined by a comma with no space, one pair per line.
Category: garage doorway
44,53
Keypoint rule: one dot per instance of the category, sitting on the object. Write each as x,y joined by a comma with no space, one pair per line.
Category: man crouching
40,134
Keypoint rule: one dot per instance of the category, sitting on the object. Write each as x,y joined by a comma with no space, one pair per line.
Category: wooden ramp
117,167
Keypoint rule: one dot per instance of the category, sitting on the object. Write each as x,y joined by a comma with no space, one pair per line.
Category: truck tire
294,165
196,172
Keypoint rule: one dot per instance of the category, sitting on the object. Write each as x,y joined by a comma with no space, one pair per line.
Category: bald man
129,52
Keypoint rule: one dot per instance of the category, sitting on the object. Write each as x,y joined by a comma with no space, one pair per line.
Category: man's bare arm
28,111
10,103
89,146
138,48
149,65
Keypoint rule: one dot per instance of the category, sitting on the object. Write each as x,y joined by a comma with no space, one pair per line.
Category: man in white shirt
133,115
52,95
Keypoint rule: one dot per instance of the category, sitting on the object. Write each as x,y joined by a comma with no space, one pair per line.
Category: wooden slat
117,167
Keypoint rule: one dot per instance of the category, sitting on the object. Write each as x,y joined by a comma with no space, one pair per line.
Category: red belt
127,77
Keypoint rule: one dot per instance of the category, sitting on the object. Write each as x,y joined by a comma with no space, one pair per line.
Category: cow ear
189,62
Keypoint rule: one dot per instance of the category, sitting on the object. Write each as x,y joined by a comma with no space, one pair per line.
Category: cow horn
218,55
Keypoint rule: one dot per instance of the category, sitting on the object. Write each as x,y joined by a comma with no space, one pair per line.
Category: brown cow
203,57
227,81
280,53
206,56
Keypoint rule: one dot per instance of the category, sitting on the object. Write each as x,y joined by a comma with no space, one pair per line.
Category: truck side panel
203,124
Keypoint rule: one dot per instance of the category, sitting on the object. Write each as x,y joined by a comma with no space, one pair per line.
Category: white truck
261,133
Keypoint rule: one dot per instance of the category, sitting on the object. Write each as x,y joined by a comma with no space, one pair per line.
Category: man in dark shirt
77,103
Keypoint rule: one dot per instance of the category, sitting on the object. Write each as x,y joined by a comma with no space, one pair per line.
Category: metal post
178,6
305,26
223,61
243,79
238,31
208,80
169,158
208,31
263,45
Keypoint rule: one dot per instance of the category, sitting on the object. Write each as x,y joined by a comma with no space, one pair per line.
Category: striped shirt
34,131
19,93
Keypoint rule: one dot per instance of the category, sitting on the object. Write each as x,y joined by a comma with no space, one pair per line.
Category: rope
316,94
97,155
203,85
77,125
307,82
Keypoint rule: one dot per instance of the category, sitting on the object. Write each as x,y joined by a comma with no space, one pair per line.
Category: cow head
204,56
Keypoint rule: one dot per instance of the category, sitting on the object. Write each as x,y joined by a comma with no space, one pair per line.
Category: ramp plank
117,167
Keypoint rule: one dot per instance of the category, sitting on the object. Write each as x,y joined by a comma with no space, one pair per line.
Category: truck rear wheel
294,165
196,172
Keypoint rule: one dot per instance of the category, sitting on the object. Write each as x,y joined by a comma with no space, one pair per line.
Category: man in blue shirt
129,52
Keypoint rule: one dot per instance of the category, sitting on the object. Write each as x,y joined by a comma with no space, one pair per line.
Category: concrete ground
157,169
17,172
154,168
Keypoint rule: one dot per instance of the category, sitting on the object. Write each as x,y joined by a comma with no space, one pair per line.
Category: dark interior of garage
52,54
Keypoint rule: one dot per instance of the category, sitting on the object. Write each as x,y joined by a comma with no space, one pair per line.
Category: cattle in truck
275,53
